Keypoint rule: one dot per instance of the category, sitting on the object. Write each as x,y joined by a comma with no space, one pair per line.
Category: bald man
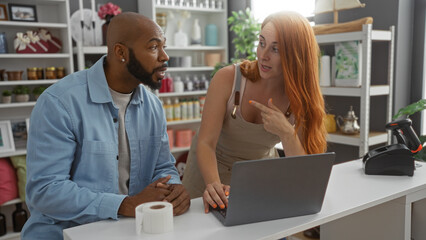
98,145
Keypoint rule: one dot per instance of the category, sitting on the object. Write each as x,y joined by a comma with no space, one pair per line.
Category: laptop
268,189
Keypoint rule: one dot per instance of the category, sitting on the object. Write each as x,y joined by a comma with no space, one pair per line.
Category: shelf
189,69
92,49
50,2
376,35
171,123
28,82
32,24
191,9
16,104
175,94
179,149
104,49
354,140
376,90
17,152
10,234
34,55
11,202
195,48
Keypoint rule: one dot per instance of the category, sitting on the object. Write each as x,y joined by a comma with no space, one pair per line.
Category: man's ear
120,52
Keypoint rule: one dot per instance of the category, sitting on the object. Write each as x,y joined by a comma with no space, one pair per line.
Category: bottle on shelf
176,110
3,230
19,217
190,109
196,33
184,109
169,83
180,37
196,83
163,87
196,108
188,84
168,107
178,84
204,83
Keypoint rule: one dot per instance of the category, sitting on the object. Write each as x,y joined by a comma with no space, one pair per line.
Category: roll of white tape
154,217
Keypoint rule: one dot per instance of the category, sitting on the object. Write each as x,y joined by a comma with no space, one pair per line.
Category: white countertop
349,191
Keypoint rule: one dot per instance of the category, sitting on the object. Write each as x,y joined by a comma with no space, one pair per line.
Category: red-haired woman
252,106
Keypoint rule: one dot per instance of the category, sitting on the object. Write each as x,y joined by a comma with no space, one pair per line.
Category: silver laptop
276,188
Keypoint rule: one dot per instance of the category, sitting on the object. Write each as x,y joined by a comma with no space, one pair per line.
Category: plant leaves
411,109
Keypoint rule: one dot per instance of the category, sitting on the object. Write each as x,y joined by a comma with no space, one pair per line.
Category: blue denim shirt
72,152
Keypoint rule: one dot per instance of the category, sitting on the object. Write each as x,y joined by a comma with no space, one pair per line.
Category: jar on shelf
32,73
40,73
51,73
60,72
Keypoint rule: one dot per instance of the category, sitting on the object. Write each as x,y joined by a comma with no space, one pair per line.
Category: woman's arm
274,121
214,112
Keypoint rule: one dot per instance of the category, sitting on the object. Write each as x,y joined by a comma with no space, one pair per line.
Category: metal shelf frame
366,91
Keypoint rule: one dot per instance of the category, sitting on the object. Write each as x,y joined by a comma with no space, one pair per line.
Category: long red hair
299,54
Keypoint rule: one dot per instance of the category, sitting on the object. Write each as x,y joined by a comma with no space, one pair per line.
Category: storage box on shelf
365,138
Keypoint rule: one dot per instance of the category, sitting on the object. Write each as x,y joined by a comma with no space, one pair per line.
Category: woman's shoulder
225,75
222,83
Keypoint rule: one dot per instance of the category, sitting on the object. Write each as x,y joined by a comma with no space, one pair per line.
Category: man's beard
135,68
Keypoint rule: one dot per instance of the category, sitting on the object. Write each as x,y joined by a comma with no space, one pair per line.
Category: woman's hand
274,121
215,195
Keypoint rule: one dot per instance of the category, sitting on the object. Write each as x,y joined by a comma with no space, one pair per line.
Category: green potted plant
410,110
246,29
22,93
6,96
37,91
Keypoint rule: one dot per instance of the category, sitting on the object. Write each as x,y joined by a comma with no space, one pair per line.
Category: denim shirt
72,152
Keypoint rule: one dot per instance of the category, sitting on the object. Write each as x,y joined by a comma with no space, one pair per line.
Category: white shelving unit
205,16
52,15
365,138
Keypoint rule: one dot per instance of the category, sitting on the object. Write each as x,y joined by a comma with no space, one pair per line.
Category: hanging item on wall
92,30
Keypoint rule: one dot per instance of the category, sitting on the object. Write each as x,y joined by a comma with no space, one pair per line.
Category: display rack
365,138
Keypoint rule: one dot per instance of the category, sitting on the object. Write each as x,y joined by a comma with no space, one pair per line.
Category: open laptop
276,188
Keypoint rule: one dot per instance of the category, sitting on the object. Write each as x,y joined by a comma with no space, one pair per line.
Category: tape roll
154,217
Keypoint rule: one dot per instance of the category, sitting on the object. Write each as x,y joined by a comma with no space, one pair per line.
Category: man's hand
179,197
150,194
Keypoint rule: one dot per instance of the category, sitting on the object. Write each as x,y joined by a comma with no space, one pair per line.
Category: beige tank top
239,139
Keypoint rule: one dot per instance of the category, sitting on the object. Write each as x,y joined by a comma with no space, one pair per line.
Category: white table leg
418,230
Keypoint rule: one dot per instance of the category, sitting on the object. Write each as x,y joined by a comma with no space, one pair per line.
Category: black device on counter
394,159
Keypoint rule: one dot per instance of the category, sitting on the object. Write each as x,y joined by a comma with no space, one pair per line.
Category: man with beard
98,145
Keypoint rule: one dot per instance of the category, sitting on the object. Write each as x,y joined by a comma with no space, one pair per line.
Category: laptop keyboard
222,212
